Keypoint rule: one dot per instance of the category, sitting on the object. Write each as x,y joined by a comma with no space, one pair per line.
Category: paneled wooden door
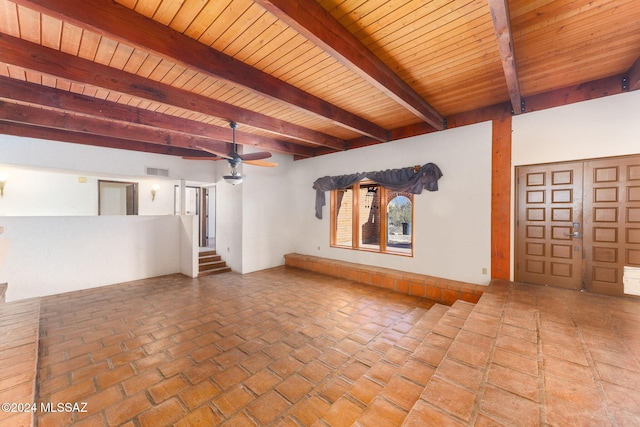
549,225
613,219
578,223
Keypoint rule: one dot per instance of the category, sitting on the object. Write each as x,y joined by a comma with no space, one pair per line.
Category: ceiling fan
234,176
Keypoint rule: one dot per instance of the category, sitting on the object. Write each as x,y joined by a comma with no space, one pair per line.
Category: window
400,223
370,217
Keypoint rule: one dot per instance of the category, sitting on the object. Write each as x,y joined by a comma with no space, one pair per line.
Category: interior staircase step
425,324
394,382
19,329
212,265
450,326
405,388
209,262
218,270
207,252
209,258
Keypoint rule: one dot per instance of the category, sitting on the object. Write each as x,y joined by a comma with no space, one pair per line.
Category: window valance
410,179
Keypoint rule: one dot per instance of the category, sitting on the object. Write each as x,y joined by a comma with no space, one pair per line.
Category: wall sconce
154,189
3,182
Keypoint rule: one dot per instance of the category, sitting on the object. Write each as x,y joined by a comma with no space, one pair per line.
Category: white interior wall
253,220
229,217
31,191
97,161
55,178
603,127
267,234
189,250
52,255
452,227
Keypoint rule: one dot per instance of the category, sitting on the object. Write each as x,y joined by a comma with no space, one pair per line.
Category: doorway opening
199,201
117,198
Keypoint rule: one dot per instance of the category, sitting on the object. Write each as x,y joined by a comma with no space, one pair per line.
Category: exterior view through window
372,218
400,224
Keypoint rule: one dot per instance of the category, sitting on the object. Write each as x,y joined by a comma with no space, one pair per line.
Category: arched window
400,223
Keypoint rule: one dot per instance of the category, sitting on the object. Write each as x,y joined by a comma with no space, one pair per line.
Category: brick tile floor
288,347
246,350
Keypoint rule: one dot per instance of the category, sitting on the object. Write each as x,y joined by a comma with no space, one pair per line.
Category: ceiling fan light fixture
233,176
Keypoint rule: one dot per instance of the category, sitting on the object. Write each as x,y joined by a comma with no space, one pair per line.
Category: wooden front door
578,223
613,215
549,225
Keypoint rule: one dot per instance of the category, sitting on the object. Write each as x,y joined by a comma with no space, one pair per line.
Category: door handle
575,235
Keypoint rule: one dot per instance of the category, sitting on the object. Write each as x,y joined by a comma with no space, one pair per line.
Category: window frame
355,223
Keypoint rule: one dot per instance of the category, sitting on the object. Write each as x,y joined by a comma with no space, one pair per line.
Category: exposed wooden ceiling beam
310,19
28,131
502,26
29,55
15,113
53,119
115,21
21,91
634,75
577,93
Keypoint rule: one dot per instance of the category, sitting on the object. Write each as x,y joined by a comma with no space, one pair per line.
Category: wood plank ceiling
304,77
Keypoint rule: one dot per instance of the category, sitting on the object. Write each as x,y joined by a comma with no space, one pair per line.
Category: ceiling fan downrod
233,125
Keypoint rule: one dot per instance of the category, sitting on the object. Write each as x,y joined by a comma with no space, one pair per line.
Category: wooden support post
501,199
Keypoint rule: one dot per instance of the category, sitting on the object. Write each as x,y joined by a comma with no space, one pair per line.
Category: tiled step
394,381
211,263
460,370
19,326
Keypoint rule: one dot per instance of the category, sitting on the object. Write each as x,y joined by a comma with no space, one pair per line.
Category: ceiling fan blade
200,158
224,156
260,163
255,156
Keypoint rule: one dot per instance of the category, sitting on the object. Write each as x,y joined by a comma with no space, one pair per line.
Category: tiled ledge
442,290
19,331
